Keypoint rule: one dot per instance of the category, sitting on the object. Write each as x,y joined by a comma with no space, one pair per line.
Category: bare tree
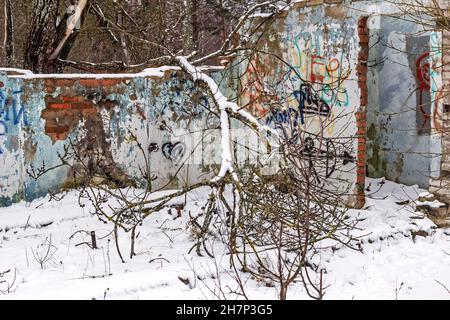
45,252
8,286
273,224
8,42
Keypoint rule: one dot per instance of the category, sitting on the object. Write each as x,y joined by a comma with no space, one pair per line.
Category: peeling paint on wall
104,116
330,83
317,89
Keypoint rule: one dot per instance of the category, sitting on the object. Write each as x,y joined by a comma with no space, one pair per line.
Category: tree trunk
46,37
9,34
283,291
190,27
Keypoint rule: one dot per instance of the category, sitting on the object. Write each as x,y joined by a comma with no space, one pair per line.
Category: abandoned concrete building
381,78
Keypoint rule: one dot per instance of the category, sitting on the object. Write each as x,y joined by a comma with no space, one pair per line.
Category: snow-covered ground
404,255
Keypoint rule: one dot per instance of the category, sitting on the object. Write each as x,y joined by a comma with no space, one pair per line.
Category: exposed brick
361,115
90,83
64,82
98,83
58,113
362,31
362,22
49,89
83,105
71,99
364,101
362,79
59,105
361,68
363,38
361,171
88,112
56,129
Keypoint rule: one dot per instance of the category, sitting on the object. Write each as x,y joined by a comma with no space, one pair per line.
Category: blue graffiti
11,112
308,103
16,108
283,116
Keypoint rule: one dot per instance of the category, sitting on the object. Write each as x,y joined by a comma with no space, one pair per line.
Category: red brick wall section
63,114
64,111
361,115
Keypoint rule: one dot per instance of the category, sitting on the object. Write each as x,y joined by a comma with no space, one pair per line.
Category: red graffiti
423,80
324,70
259,97
423,71
317,75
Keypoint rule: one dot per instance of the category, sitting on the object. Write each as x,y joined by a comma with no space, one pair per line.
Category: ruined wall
318,85
367,82
400,103
358,70
440,88
13,119
41,114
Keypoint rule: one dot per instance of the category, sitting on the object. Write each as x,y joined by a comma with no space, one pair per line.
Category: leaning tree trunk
47,40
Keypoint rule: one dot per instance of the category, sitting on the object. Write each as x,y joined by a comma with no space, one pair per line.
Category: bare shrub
8,286
44,252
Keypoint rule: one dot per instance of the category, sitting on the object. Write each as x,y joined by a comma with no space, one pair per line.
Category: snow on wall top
149,72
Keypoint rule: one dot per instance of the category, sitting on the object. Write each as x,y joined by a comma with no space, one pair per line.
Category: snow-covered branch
226,109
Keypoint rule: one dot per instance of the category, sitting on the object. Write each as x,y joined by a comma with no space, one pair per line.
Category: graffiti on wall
419,62
426,69
308,103
256,89
173,151
311,65
179,107
324,156
303,94
313,82
436,88
12,113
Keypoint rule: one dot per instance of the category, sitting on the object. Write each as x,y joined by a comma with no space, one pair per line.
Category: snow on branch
226,109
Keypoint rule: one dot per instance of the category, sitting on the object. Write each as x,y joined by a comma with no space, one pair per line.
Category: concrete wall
399,112
440,87
319,84
374,77
326,78
41,114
